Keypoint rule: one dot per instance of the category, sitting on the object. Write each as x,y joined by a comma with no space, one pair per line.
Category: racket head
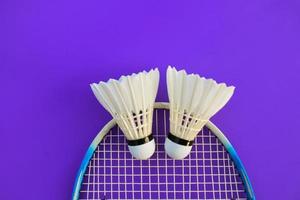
213,170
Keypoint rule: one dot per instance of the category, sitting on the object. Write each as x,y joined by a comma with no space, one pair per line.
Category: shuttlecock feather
130,101
193,101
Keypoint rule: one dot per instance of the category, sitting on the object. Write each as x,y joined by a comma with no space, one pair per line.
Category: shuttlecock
130,101
193,101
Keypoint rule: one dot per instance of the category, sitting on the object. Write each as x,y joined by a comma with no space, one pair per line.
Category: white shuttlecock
130,101
193,101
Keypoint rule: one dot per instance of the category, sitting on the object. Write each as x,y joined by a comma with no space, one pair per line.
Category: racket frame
162,105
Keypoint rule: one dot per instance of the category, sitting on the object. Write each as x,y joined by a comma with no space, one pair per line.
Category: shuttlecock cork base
178,148
142,148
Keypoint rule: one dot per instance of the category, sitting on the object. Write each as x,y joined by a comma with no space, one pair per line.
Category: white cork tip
176,151
143,151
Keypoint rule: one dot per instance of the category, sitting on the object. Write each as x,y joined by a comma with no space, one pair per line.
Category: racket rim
162,105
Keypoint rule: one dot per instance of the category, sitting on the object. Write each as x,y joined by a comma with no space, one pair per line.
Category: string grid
207,173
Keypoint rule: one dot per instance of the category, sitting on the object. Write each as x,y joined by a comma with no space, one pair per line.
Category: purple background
50,52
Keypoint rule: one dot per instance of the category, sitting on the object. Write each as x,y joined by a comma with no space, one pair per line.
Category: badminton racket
213,169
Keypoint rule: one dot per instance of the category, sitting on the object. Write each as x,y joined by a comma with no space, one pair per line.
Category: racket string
208,172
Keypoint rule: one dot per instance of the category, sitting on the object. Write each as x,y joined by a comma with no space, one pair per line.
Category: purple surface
207,173
50,52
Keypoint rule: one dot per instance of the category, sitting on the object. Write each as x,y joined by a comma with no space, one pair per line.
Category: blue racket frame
162,105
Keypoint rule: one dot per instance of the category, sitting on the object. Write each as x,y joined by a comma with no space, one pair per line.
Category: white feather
130,101
193,101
